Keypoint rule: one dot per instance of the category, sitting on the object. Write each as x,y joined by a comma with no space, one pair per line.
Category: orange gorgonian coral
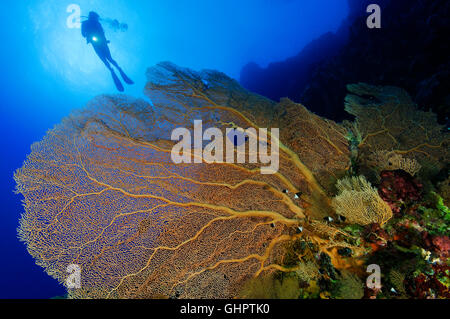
101,191
360,203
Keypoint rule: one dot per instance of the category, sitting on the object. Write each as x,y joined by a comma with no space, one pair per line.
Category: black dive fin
117,82
125,77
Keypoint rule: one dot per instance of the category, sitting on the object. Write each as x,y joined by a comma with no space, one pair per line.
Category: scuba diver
92,30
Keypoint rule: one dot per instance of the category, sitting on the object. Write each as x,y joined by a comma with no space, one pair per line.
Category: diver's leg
124,76
102,54
113,62
108,56
117,82
105,61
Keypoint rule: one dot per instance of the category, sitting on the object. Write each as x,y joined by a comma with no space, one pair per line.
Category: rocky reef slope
101,191
410,51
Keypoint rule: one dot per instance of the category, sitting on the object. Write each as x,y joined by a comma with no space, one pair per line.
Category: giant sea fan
101,191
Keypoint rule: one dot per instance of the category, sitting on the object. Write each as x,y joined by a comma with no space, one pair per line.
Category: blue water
48,70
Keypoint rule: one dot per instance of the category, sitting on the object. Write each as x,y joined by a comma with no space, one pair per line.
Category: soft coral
398,187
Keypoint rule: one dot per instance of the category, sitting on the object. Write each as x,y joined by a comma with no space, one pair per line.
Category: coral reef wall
410,51
102,192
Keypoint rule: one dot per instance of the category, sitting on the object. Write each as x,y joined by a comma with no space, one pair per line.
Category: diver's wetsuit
93,31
